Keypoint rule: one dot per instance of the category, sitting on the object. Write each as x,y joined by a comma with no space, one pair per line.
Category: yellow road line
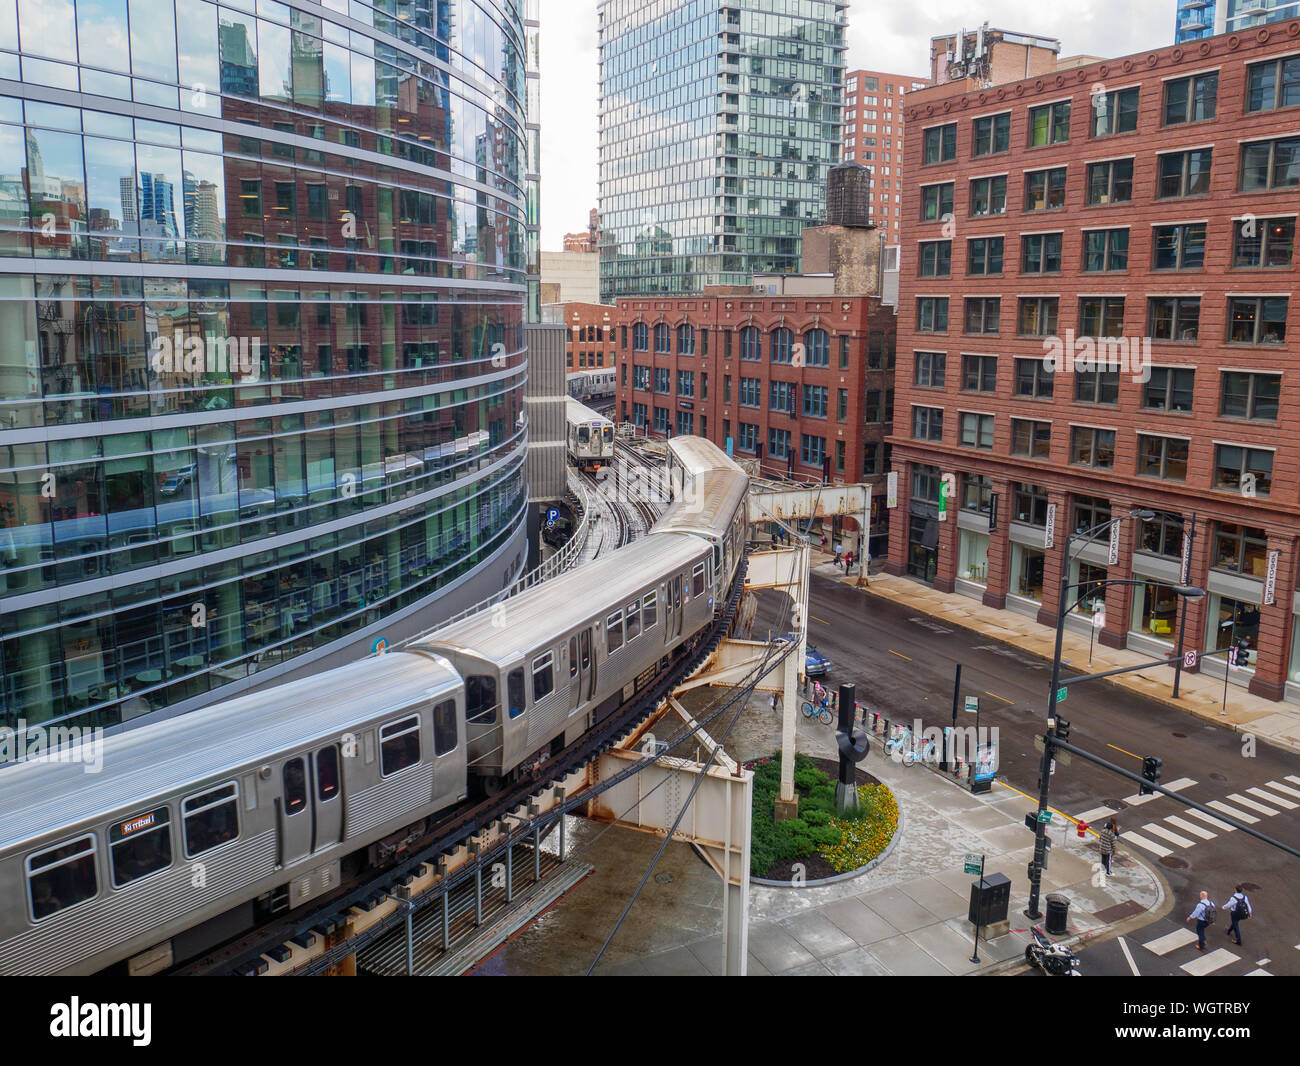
899,654
1128,753
1031,798
821,620
997,697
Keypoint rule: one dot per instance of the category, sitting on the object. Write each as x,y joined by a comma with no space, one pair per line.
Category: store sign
1049,534
1187,559
1270,579
891,489
1113,556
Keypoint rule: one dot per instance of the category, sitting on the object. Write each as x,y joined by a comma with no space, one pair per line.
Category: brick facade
1189,400
590,342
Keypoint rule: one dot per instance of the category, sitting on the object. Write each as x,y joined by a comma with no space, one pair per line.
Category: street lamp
1063,608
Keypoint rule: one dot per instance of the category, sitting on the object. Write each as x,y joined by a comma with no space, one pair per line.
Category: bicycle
821,711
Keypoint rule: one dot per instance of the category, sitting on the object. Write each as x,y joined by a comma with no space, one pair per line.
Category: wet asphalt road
903,665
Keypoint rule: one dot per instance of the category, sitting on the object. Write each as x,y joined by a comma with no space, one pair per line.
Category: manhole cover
1174,862
664,879
1216,776
1115,805
1181,736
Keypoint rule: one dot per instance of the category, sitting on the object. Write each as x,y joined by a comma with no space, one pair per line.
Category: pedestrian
773,702
1237,908
823,542
1107,839
1203,915
848,562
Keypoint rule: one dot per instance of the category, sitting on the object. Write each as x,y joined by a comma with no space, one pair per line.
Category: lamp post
1063,608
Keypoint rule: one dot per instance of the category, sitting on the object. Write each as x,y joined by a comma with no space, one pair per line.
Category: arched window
782,343
685,340
640,337
662,335
817,348
749,343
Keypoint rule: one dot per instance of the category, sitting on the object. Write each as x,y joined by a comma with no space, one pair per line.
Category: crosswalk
1181,943
1178,832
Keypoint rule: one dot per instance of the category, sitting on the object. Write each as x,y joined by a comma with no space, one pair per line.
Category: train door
673,609
582,669
311,806
588,652
295,811
326,798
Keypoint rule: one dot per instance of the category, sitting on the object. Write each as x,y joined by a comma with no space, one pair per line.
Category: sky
892,36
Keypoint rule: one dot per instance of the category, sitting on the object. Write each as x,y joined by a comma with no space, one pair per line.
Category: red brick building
727,366
591,335
1152,200
873,136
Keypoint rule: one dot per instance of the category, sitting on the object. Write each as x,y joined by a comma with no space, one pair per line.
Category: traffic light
1062,729
1237,654
1150,772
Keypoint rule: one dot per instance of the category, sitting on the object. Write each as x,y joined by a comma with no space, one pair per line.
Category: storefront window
1027,572
923,548
973,562
1230,620
1155,611
1087,580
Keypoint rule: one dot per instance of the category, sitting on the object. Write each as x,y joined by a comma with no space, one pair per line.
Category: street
903,666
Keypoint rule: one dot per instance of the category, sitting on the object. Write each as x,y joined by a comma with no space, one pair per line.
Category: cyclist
821,698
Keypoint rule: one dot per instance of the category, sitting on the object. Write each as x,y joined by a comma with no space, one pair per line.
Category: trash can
1058,910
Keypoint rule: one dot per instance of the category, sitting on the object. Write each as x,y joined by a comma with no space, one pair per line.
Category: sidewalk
1199,694
907,916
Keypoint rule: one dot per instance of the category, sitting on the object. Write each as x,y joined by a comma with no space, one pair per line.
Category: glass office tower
1205,18
718,123
262,290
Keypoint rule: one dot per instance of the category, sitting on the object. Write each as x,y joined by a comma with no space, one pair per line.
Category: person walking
1203,915
1237,908
1107,839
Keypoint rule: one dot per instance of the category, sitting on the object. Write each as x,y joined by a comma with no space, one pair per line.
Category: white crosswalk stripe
1187,827
1232,812
1277,786
1246,801
1172,941
1293,779
1142,842
1208,963
1167,834
1095,815
1209,819
1268,797
1137,801
1259,973
1180,784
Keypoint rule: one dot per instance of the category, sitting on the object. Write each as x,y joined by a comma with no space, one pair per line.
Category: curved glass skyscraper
262,286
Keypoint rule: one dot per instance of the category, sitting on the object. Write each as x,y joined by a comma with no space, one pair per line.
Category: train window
608,433
543,677
481,699
584,434
614,631
697,580
399,745
327,773
295,786
444,727
515,692
140,845
62,877
633,611
649,609
573,657
210,818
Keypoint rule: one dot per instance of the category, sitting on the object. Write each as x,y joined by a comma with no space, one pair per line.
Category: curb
1281,743
848,875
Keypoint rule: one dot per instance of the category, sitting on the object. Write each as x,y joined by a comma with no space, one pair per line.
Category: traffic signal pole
1147,783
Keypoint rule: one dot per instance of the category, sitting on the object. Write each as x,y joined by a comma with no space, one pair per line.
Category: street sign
1045,817
974,865
1099,619
1189,660
552,516
1063,757
1061,694
972,704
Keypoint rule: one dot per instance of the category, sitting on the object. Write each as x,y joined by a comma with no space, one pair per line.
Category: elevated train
588,437
596,384
200,827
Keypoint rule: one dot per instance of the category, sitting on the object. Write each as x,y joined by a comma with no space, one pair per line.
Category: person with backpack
1237,908
1107,838
1203,915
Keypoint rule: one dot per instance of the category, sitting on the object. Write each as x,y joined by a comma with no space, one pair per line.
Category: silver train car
200,827
588,436
598,383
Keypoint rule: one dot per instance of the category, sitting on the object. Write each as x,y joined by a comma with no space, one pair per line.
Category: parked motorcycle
1053,959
